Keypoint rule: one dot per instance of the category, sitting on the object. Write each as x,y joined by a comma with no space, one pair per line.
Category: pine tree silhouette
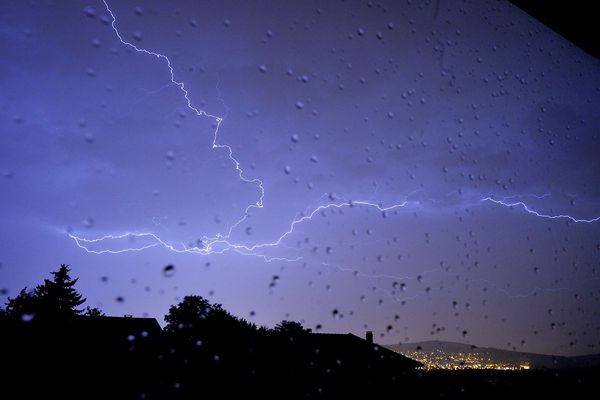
57,297
54,298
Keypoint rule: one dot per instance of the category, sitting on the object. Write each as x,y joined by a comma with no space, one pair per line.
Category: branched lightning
218,243
199,113
221,242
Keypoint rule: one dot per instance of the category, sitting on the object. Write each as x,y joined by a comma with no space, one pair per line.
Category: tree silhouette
57,297
93,312
214,344
187,314
21,306
54,298
195,315
290,328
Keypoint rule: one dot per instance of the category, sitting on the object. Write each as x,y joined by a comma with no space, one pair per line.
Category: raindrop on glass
90,11
169,271
27,317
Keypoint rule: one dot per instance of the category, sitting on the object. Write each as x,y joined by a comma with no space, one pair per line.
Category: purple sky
433,105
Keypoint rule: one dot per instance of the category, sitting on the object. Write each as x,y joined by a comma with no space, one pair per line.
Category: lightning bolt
199,113
539,214
221,242
218,243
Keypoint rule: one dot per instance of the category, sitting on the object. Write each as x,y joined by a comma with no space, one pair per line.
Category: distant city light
438,359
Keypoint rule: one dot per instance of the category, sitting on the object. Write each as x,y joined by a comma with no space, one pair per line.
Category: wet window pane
388,190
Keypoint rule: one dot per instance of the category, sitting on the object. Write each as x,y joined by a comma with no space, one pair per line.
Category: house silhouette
338,365
125,357
80,356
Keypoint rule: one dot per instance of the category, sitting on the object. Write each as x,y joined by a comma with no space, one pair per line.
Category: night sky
340,110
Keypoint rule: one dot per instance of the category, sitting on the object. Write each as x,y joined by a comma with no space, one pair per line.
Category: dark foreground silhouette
51,349
133,358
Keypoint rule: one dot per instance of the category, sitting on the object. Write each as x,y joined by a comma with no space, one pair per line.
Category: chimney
370,336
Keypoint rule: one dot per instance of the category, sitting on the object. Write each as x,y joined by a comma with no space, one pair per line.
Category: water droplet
27,317
262,68
169,271
90,11
299,105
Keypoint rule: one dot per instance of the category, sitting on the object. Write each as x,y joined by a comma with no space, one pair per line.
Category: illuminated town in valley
439,359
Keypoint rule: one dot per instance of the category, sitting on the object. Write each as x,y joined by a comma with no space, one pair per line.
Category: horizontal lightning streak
308,217
538,214
208,247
